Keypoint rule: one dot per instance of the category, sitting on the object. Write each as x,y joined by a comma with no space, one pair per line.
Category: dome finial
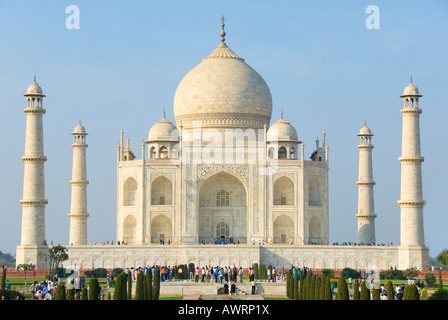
411,79
223,33
281,114
164,113
34,78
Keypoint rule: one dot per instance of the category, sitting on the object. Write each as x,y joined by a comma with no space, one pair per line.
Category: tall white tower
33,200
78,211
411,196
366,211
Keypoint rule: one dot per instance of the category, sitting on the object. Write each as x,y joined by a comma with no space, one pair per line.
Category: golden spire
223,33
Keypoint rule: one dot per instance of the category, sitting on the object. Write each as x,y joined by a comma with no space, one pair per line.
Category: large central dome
223,91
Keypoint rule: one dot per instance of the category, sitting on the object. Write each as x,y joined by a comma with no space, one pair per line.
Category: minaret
366,211
78,211
33,200
411,196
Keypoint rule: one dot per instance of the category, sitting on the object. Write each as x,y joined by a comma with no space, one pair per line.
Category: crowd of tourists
46,290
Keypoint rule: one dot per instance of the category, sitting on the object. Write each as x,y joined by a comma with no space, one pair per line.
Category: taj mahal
224,171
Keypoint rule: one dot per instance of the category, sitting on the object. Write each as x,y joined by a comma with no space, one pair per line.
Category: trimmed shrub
139,294
322,287
410,292
60,293
11,294
93,289
328,293
118,291
289,285
148,280
356,293
390,291
296,285
84,295
129,280
365,294
439,295
301,284
156,285
376,294
342,293
71,294
317,288
255,268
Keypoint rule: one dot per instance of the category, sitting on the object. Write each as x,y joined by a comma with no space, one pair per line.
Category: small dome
365,131
34,89
411,90
79,129
281,130
163,130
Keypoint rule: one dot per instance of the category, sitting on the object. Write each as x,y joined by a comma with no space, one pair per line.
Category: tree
255,268
296,285
312,286
342,293
328,293
55,256
322,286
411,273
307,288
443,258
430,278
156,285
328,272
139,287
118,291
149,284
356,290
84,295
129,279
4,277
365,295
26,267
71,294
317,288
390,291
290,284
93,289
301,284
411,292
60,293
350,273
376,294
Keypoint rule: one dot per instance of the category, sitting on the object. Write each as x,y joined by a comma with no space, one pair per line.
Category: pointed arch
314,192
130,192
161,191
230,210
129,229
315,230
283,191
283,229
161,229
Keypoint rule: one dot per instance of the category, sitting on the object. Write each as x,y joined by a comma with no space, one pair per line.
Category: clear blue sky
325,69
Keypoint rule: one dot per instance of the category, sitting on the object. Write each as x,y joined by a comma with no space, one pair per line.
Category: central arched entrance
222,209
